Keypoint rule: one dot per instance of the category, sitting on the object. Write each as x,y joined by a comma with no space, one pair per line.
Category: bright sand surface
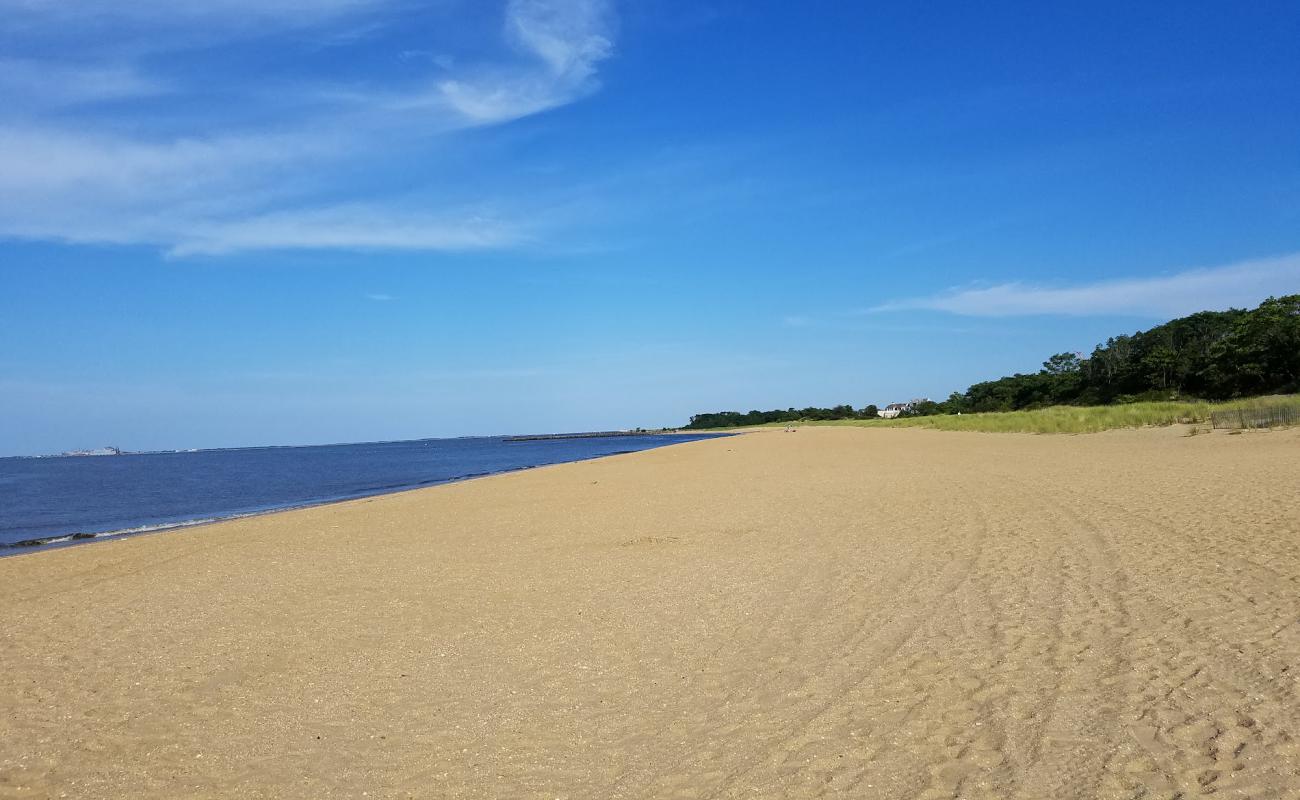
836,611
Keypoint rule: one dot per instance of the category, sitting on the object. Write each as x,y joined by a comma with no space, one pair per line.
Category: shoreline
51,542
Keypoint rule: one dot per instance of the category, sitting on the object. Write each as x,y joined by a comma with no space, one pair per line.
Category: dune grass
1073,419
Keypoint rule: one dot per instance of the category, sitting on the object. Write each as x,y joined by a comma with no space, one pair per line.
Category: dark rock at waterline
33,542
44,540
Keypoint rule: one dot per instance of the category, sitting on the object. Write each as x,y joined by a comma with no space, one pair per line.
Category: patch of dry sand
880,614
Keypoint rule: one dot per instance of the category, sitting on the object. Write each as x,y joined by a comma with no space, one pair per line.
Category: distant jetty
537,437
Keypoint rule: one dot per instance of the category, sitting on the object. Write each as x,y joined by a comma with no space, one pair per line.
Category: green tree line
1212,355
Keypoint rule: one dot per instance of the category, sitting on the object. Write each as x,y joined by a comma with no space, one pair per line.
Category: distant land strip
591,435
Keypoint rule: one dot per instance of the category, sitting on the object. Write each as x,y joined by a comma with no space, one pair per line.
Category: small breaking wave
61,538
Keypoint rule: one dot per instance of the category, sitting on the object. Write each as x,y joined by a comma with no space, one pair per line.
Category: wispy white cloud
213,186
86,188
563,42
853,322
35,83
379,297
207,198
36,14
350,227
35,161
1237,285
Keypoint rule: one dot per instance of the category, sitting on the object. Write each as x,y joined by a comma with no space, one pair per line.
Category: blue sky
251,222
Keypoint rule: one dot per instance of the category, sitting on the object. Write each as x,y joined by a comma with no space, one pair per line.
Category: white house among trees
896,409
893,410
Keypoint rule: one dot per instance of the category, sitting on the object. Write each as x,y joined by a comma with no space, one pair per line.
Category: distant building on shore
898,409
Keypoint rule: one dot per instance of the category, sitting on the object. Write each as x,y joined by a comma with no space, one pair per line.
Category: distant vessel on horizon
98,451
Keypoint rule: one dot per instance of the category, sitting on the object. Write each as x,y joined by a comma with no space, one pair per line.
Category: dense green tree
925,408
1062,364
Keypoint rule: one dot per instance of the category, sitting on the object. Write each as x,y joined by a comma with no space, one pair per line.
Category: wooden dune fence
1256,416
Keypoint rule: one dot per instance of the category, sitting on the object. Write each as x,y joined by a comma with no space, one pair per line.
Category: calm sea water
55,499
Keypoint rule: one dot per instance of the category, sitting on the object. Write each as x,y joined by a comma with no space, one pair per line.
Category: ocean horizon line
89,452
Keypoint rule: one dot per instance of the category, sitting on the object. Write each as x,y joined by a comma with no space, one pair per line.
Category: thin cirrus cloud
351,227
36,15
277,183
35,83
86,188
36,162
1238,285
561,43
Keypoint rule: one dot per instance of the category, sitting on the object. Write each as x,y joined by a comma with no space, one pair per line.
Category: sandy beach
830,612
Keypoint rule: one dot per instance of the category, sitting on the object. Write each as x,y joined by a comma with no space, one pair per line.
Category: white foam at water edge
163,526
54,540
